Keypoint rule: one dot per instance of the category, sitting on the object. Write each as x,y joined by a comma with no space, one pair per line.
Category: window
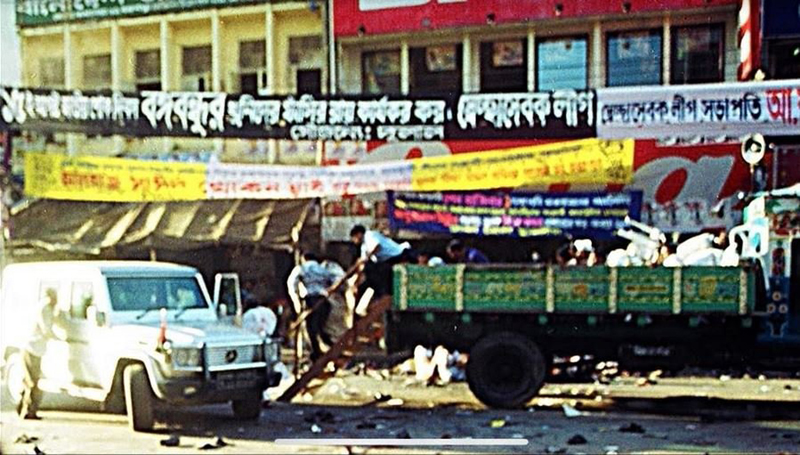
97,71
139,294
783,59
381,72
504,66
561,63
82,299
306,51
196,66
252,64
435,69
51,71
147,70
633,58
697,54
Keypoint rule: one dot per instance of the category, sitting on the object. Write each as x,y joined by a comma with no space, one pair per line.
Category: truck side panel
592,290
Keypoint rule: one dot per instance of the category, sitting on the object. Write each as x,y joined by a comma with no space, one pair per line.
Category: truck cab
135,336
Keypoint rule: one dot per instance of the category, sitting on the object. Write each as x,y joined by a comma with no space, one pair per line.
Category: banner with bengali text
582,161
703,110
56,176
243,181
592,215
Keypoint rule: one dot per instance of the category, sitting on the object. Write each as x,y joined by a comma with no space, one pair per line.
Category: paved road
344,407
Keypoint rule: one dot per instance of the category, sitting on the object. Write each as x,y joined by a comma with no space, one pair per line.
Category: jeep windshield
146,294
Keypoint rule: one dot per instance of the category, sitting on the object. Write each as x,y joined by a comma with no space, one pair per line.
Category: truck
135,336
514,319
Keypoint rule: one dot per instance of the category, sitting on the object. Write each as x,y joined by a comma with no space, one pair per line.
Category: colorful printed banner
561,114
592,215
584,161
116,179
55,176
242,181
708,110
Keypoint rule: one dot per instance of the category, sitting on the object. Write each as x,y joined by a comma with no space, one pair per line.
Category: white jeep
134,335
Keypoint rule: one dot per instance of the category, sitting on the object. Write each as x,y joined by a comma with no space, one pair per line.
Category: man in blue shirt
378,255
460,253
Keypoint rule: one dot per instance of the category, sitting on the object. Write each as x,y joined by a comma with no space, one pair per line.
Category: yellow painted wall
34,48
289,24
87,43
235,29
141,38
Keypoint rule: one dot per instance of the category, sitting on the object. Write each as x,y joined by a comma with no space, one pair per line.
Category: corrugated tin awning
90,227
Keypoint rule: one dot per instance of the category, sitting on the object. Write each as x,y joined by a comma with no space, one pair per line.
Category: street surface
346,407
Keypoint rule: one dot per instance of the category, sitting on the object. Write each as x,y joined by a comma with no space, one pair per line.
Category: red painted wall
414,15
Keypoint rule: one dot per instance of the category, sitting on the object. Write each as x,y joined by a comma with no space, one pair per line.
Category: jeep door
87,333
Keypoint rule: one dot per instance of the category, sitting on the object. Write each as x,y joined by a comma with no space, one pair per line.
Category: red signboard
372,17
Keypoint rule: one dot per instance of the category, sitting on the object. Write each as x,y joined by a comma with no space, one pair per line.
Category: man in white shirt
378,255
308,283
48,316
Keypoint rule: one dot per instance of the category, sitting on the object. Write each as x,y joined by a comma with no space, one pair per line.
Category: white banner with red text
706,110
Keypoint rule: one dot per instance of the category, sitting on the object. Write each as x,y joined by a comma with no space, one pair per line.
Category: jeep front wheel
505,370
248,408
14,378
139,398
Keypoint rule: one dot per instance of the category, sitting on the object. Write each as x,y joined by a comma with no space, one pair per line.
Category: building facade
489,46
216,45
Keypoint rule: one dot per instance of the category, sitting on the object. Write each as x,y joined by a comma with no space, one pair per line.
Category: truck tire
139,398
248,408
505,370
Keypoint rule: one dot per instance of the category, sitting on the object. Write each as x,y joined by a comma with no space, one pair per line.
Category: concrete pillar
466,65
70,81
166,69
166,55
117,59
666,51
269,27
216,47
531,60
596,69
404,74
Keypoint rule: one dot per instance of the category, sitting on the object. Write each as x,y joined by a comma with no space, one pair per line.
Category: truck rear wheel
248,408
505,370
139,398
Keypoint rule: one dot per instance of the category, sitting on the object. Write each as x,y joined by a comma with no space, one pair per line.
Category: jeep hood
188,333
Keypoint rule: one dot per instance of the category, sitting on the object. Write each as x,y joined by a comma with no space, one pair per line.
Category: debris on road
611,450
497,423
366,425
320,417
316,429
217,444
554,449
395,402
25,439
404,434
172,441
632,427
570,411
38,451
577,440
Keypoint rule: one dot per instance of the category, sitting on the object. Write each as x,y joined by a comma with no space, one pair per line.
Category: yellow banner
55,176
582,161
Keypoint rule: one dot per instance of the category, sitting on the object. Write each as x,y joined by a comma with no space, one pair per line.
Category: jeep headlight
186,357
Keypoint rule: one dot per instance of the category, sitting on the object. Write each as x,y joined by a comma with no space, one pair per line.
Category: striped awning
91,227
